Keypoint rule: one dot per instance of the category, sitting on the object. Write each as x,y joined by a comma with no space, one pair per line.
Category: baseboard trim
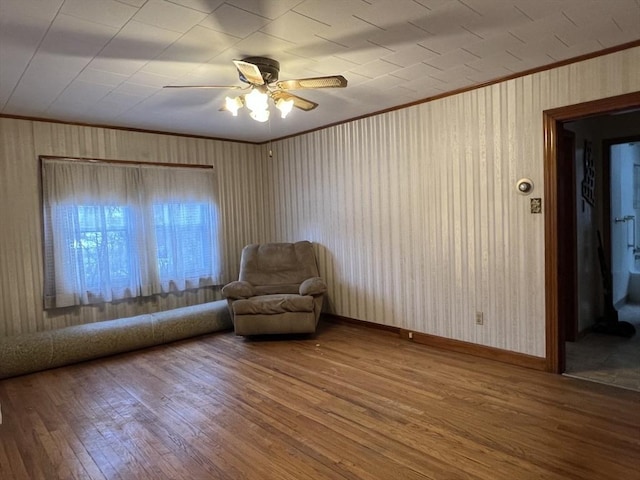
361,323
491,353
458,346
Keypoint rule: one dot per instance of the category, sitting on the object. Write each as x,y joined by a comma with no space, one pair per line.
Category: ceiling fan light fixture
260,115
261,74
256,100
285,106
233,105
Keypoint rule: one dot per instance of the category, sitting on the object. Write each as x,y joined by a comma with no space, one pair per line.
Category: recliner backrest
278,264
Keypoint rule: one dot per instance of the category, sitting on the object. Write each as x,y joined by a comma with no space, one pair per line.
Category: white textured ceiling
105,61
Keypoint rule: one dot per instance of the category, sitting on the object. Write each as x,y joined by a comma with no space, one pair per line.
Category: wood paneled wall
21,142
415,212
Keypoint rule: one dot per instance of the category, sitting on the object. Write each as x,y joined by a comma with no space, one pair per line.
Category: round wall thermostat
524,186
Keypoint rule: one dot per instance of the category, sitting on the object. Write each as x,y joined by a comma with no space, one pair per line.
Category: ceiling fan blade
333,81
250,71
298,102
230,87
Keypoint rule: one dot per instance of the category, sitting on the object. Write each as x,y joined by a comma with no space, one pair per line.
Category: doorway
597,352
621,192
559,235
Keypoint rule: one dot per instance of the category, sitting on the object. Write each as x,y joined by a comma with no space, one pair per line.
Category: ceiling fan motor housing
268,68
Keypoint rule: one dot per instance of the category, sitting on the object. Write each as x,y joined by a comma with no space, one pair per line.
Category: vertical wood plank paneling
241,192
416,212
21,275
20,250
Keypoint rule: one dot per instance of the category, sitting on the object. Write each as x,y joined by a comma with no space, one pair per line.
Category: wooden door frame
554,347
569,327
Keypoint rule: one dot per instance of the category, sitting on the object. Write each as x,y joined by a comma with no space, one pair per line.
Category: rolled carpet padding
32,352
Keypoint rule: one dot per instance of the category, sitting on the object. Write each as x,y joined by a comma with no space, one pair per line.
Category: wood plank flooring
351,403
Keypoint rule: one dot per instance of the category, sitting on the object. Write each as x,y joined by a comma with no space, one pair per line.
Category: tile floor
607,358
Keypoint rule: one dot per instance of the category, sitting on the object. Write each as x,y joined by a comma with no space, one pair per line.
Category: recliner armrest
313,286
238,289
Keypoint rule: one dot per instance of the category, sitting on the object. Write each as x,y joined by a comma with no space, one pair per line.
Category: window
115,230
188,253
102,242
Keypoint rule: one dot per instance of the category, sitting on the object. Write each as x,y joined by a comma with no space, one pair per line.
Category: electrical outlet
410,335
479,318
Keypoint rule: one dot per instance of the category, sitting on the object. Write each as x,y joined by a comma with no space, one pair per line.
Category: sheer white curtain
183,220
116,230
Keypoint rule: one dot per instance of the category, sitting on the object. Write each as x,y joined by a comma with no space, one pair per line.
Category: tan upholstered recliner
279,290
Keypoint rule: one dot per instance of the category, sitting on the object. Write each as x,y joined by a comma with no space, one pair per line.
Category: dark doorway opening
560,242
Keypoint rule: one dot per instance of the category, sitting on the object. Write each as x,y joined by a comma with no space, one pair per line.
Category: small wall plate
536,205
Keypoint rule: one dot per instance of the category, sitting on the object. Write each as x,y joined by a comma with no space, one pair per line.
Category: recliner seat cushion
273,304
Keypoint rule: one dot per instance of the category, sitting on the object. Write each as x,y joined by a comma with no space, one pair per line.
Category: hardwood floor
351,403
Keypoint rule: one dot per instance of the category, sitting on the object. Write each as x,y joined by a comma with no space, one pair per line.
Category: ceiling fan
261,75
